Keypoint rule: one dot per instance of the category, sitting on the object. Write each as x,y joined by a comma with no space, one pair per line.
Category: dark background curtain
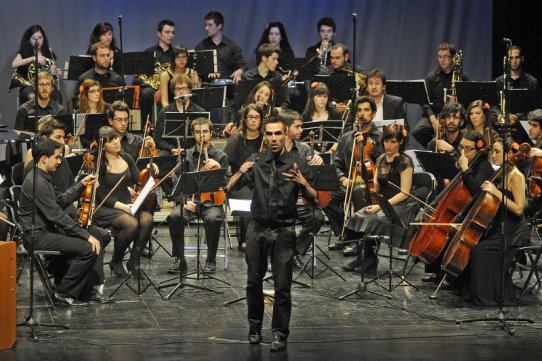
399,37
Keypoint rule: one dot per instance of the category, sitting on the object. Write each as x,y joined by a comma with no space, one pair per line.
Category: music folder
203,61
412,91
77,65
138,62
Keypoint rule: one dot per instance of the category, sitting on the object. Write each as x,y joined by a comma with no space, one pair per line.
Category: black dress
377,223
480,283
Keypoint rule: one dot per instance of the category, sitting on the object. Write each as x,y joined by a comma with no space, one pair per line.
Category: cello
476,222
429,241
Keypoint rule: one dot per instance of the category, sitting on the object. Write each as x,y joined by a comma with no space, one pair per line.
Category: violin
88,197
324,197
151,201
429,241
215,198
148,149
476,222
365,169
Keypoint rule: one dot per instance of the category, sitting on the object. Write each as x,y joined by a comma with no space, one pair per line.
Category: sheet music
143,195
385,123
239,205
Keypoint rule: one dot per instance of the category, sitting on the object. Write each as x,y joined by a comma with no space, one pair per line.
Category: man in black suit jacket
388,106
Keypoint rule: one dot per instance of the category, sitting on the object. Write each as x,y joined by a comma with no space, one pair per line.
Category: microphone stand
121,56
505,129
29,319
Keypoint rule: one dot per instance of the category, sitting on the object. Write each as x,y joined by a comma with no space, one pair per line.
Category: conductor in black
277,177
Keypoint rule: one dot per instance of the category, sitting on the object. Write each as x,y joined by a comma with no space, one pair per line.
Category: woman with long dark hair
275,33
34,38
103,32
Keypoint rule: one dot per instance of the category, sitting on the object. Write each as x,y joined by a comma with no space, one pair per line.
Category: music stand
140,62
304,71
65,119
395,221
326,131
469,91
203,61
412,91
340,86
324,179
197,183
523,100
75,163
213,97
77,65
440,165
93,123
131,95
177,125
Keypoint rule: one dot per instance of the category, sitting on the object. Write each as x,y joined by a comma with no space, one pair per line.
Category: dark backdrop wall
399,37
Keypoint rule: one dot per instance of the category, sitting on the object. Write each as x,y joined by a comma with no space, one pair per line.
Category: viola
429,241
216,198
151,201
148,149
88,196
476,222
324,197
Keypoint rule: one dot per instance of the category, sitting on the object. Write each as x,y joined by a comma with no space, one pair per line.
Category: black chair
17,171
526,259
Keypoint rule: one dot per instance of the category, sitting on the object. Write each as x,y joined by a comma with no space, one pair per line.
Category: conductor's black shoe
67,300
279,343
210,267
179,265
255,337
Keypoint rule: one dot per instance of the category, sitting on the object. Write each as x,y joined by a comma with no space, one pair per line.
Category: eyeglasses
122,120
253,117
182,88
95,91
466,148
181,57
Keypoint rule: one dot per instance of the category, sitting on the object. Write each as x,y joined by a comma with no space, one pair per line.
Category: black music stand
469,91
65,119
197,183
203,61
395,221
77,65
213,97
324,179
412,91
326,131
440,165
177,125
340,87
523,100
111,95
305,71
140,62
93,123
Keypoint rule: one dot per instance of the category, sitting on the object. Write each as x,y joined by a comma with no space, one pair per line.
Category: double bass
430,240
476,222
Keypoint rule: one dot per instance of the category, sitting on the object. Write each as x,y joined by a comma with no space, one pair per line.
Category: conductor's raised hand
294,174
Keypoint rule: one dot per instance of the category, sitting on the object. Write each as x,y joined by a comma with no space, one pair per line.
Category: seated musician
181,86
481,281
474,174
238,148
342,160
534,203
119,117
213,215
519,78
268,57
55,230
340,66
51,128
326,28
46,105
453,116
177,62
101,54
103,32
91,98
275,33
387,106
310,217
260,96
393,166
479,119
116,212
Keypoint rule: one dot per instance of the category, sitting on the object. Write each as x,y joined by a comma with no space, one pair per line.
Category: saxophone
456,75
153,80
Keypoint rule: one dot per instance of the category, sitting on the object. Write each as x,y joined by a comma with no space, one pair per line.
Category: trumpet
456,75
323,53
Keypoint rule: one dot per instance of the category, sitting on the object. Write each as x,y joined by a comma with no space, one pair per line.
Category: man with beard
46,105
519,78
453,115
101,54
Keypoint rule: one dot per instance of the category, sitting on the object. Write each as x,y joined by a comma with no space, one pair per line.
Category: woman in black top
480,283
275,33
116,211
241,146
33,36
393,166
103,32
